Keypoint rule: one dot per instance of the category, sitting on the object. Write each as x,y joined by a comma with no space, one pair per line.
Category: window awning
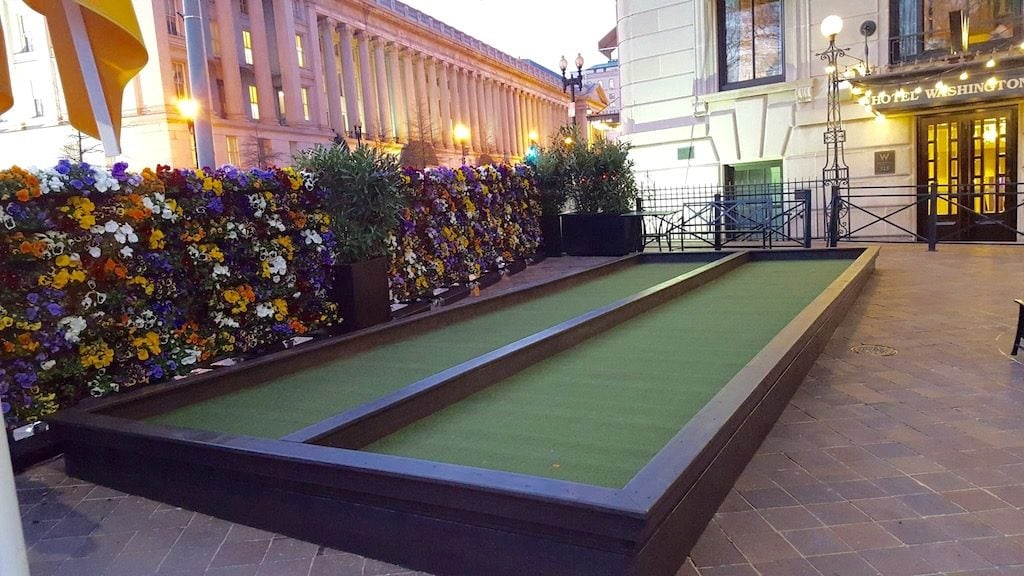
934,87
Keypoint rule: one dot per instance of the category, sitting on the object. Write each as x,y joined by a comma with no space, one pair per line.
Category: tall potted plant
364,197
602,187
549,170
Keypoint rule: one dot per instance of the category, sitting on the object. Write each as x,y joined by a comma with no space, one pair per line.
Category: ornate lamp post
572,81
836,172
189,110
461,134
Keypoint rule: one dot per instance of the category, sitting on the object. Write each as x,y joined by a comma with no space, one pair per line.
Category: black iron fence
765,215
794,213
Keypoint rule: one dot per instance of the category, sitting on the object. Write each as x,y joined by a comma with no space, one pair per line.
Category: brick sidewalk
893,465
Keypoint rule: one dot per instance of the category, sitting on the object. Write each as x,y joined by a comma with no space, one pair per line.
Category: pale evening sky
541,30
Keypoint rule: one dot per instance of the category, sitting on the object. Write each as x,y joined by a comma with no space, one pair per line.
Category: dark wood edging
159,398
364,424
451,519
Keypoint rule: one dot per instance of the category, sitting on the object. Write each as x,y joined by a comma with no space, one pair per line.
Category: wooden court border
452,519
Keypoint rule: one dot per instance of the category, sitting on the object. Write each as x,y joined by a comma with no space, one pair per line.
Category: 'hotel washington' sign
946,91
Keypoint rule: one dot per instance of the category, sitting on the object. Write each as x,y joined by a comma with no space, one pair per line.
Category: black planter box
551,235
599,234
516,266
488,279
32,450
361,291
411,308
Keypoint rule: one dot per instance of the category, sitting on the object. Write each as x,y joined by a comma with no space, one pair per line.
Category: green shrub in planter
365,196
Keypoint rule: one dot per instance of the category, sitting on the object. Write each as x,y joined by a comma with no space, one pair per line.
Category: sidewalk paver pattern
892,465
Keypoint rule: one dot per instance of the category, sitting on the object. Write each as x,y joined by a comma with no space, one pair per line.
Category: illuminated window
247,46
215,39
750,34
180,79
172,11
299,52
234,154
305,103
280,104
254,103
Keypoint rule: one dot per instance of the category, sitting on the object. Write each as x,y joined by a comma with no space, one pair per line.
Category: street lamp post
189,110
572,81
461,133
835,172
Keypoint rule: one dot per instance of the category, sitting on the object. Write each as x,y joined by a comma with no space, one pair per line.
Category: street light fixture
189,110
461,133
572,81
835,172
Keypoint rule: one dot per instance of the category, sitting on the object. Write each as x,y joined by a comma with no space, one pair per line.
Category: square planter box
599,234
551,235
361,291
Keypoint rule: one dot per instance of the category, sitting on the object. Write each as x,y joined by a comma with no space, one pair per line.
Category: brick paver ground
892,465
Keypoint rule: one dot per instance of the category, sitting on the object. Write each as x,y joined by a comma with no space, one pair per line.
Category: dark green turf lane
597,413
285,405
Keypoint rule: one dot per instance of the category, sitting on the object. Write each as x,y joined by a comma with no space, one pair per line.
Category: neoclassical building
287,74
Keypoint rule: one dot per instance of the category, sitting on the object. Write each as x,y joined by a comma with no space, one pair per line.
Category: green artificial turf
598,412
285,405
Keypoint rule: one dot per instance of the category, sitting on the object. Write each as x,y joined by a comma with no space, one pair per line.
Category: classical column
348,76
506,140
517,106
422,98
446,107
288,60
433,99
233,102
481,110
475,118
495,115
412,106
383,91
467,107
316,94
513,130
331,74
398,92
370,114
261,65
458,110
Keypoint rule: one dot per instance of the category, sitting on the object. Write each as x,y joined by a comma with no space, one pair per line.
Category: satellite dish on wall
868,28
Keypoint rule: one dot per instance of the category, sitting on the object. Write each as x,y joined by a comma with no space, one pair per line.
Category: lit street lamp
189,110
461,133
571,81
836,172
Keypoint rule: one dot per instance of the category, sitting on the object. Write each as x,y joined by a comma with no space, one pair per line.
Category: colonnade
397,93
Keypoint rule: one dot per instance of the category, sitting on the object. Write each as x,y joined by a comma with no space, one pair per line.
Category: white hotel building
723,92
287,74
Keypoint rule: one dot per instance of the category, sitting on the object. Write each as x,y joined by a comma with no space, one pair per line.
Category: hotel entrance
972,158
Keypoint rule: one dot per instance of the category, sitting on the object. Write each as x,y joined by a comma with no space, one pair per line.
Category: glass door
972,159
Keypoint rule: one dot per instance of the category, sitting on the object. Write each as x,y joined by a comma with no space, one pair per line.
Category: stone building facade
287,74
722,92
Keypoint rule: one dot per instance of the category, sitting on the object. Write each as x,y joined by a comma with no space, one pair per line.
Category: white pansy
95,251
125,234
312,237
220,270
110,226
224,321
264,310
48,364
126,252
278,265
73,326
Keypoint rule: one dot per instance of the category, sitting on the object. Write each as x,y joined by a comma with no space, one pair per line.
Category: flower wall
460,223
110,279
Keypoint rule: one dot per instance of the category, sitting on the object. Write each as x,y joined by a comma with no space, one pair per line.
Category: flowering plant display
111,279
460,223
